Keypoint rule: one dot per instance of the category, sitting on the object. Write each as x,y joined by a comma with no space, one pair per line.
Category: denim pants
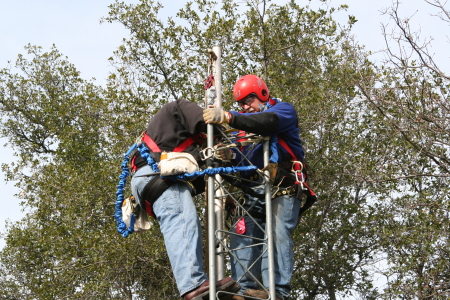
180,227
284,217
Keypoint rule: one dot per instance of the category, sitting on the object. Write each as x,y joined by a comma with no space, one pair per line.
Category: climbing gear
124,229
272,168
131,207
284,182
171,163
240,226
206,153
250,84
300,176
196,138
209,82
152,191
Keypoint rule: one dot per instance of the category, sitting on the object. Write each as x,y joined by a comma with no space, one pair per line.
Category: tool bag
130,210
174,163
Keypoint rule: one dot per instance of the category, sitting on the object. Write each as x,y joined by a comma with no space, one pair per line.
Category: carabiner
294,164
203,155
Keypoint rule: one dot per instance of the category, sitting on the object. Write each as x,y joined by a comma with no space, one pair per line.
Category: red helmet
250,84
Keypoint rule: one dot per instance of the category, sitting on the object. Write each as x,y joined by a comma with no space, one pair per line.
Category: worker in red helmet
265,116
248,85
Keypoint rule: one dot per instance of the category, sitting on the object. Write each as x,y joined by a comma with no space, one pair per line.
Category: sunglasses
247,101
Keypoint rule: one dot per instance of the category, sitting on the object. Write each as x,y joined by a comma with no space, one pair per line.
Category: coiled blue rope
211,171
145,153
121,226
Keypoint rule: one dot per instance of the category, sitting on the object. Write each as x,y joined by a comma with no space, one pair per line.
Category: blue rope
121,226
211,171
145,153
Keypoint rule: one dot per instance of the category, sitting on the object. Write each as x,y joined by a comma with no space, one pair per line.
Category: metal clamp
204,156
300,179
277,188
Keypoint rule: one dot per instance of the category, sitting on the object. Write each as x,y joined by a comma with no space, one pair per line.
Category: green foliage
375,140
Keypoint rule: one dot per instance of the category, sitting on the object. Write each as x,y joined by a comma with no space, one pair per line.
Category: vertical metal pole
217,72
211,224
214,206
269,224
218,207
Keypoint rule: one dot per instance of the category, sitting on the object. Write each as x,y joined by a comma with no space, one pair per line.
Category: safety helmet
250,84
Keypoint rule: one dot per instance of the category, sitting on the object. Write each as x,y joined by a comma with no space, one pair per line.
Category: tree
309,63
411,100
68,247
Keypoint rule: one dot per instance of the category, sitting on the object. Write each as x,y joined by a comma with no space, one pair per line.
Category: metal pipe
269,224
218,207
217,50
215,201
211,223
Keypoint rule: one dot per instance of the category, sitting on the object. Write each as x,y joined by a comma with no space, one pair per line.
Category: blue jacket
280,120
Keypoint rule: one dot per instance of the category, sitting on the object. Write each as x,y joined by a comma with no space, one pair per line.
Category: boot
230,287
202,292
258,294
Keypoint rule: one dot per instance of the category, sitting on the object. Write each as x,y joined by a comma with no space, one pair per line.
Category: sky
74,28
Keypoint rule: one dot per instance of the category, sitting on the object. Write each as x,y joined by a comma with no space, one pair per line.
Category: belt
282,191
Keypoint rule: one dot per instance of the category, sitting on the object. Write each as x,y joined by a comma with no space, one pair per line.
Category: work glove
272,168
215,115
223,154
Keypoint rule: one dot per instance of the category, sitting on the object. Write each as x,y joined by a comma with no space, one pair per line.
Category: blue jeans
285,215
180,227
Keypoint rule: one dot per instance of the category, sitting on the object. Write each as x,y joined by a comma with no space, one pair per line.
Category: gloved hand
215,115
272,168
224,154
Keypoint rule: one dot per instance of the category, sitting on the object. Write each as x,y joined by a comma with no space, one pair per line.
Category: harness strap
152,191
133,165
311,197
156,186
241,185
297,165
199,138
289,150
149,141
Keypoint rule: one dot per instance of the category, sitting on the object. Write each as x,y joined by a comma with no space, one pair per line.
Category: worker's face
250,104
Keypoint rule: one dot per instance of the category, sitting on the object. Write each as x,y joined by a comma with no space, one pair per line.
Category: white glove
215,115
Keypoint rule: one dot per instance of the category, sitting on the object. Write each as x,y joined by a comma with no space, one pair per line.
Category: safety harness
299,170
153,189
157,185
